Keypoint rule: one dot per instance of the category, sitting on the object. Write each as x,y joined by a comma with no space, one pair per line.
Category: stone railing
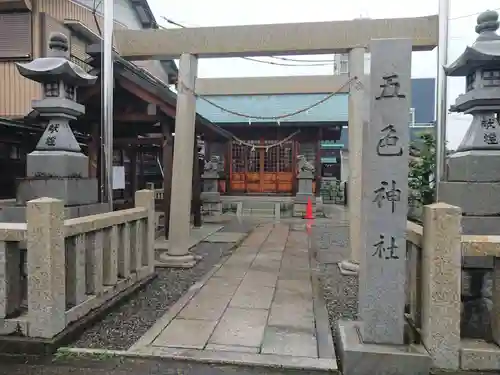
71,266
478,354
434,301
433,282
7,202
158,194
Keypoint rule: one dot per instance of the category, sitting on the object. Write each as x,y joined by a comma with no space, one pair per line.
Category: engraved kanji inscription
388,144
490,138
51,141
391,194
390,88
488,123
53,128
383,252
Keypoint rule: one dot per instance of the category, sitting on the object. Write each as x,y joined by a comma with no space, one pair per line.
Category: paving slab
260,278
183,333
291,274
294,263
234,272
303,287
196,236
240,327
258,307
271,266
241,259
299,315
221,285
205,307
252,298
233,348
264,257
292,342
225,237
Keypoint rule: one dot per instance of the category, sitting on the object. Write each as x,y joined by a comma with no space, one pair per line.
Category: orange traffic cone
309,210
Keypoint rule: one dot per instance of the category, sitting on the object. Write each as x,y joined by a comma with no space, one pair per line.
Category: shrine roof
479,55
332,110
159,88
152,84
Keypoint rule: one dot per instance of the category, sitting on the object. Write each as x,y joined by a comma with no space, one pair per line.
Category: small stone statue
303,165
213,164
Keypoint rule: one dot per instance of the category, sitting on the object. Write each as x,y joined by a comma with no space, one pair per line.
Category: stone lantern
57,168
210,196
473,181
473,176
305,179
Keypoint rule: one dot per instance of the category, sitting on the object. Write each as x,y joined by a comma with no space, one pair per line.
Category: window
341,64
470,82
412,116
491,78
51,90
15,152
344,66
15,36
69,92
79,53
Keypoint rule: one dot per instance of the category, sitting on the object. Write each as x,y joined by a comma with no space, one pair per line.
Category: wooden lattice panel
238,155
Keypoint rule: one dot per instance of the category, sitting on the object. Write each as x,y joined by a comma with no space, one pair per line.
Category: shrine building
262,156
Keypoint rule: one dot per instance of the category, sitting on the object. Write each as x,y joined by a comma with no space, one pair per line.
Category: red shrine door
255,170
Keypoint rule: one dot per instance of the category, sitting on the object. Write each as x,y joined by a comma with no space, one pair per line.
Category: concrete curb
211,357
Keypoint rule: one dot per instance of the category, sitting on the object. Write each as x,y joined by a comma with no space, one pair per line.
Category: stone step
258,205
258,212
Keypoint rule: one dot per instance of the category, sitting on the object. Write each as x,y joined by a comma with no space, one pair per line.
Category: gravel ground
128,322
330,238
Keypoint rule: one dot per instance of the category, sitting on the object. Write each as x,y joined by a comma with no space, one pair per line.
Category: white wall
124,13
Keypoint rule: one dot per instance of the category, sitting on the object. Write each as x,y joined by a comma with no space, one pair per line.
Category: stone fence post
46,267
441,279
146,199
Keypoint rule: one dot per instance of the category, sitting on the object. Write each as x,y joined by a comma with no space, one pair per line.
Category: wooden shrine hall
273,120
144,132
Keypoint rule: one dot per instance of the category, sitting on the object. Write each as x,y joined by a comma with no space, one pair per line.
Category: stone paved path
196,236
262,307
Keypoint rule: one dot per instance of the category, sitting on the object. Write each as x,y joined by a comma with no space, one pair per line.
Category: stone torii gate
190,44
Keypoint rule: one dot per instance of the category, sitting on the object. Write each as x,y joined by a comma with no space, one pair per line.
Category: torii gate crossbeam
277,39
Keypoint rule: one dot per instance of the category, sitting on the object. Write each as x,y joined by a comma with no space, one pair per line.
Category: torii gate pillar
356,128
178,254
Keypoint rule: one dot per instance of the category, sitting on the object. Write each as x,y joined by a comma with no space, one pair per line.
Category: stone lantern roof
56,67
484,53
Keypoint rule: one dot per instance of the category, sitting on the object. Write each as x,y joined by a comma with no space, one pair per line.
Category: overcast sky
246,12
